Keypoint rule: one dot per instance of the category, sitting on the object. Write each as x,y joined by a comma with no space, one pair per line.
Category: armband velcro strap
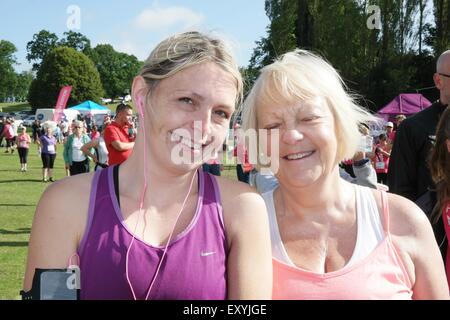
26,295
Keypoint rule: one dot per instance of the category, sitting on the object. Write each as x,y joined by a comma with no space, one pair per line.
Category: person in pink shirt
381,159
8,132
23,145
440,171
95,134
390,133
332,239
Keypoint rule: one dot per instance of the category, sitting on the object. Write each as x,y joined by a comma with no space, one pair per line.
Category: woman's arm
249,266
384,153
86,149
58,225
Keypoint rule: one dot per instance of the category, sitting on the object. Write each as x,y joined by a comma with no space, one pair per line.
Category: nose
202,126
292,136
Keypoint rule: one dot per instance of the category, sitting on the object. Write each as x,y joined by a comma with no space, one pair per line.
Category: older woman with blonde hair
75,159
332,239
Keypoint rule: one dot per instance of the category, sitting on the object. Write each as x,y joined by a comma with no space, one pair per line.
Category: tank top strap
385,208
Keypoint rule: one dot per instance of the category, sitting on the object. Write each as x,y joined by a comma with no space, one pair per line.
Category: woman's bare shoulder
72,188
405,217
66,202
232,190
242,205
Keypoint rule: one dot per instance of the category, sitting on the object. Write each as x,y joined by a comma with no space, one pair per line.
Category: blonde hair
79,123
49,125
302,75
187,49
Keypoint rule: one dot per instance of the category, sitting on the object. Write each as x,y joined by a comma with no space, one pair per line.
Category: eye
310,118
222,114
186,100
272,126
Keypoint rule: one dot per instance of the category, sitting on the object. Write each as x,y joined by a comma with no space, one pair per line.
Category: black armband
54,284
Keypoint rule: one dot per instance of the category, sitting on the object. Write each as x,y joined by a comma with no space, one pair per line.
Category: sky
133,26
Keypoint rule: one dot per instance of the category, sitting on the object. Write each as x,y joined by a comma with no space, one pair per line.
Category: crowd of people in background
105,145
84,143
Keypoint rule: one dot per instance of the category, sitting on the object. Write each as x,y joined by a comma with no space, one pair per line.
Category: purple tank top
194,267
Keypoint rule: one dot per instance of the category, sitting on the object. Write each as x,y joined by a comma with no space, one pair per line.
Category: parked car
28,121
24,114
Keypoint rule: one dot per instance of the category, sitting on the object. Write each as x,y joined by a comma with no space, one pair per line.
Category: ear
448,145
437,81
138,92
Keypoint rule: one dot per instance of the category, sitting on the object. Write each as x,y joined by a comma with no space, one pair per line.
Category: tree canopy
65,66
377,63
116,69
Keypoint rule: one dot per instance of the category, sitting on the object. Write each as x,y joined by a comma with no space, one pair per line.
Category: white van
47,114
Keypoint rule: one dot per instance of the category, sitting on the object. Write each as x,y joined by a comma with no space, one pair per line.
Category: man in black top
409,174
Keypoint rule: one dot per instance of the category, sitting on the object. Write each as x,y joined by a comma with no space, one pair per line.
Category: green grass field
19,194
14,107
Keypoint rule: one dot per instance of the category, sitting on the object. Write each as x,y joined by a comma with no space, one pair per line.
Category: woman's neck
162,182
327,196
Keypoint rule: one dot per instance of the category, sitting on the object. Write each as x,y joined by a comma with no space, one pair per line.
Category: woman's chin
298,179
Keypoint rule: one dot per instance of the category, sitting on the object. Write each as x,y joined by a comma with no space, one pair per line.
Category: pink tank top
381,275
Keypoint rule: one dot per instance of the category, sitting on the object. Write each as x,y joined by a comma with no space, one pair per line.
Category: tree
43,42
439,34
280,33
304,25
75,40
22,85
116,69
61,67
377,64
7,74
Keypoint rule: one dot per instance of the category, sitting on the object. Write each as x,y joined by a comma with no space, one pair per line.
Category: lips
298,155
188,142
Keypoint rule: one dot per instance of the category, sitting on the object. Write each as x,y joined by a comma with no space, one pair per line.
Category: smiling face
190,111
307,143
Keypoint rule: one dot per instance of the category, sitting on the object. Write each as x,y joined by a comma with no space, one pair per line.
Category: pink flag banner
63,97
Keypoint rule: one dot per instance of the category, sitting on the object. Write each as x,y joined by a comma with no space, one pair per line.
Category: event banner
63,97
